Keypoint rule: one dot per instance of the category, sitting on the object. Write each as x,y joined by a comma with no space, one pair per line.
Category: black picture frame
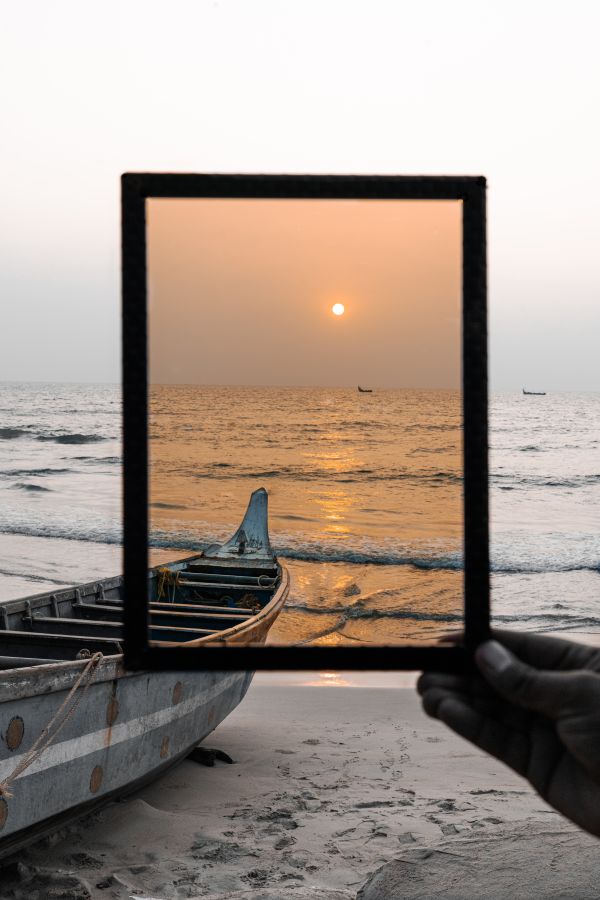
471,190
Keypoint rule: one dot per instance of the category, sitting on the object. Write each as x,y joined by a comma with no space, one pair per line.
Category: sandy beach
340,788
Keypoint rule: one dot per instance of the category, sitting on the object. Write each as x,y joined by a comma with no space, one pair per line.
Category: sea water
365,498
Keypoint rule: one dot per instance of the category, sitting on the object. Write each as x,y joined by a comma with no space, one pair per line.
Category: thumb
551,693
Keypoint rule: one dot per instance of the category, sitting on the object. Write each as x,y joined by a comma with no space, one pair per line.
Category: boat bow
251,540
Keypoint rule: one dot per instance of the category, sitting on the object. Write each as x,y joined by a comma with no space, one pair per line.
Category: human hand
535,707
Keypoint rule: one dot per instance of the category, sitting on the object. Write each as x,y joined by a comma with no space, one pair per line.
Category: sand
336,792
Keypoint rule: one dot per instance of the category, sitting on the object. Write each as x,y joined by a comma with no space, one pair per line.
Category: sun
338,309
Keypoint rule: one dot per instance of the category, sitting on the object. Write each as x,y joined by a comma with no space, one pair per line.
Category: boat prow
241,574
251,540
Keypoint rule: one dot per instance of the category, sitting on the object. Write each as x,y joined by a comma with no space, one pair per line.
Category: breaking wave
545,621
526,481
74,438
509,560
10,434
36,473
358,611
227,471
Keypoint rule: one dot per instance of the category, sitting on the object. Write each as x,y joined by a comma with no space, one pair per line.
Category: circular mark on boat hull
177,693
15,732
112,711
3,812
164,748
96,779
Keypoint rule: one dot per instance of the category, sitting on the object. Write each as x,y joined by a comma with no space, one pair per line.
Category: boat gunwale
97,586
23,682
47,678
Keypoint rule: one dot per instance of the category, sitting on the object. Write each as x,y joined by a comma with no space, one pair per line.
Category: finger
452,637
487,703
499,740
464,685
545,652
433,697
541,651
552,694
441,679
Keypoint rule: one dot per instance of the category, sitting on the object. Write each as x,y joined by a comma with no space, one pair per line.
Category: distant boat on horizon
534,393
362,390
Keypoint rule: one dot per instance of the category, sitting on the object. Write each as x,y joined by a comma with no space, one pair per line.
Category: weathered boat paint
130,725
160,716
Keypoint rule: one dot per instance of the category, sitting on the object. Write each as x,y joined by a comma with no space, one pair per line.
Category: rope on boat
166,578
248,601
47,737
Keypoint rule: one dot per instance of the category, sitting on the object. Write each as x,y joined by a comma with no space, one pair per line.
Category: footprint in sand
30,881
406,837
286,841
452,829
82,861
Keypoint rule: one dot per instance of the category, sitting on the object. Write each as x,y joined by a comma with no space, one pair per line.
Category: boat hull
125,727
129,727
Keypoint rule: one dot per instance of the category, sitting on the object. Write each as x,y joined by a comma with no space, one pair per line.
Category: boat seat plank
56,646
193,618
21,662
238,566
261,581
158,618
226,613
79,627
202,608
223,586
184,607
90,628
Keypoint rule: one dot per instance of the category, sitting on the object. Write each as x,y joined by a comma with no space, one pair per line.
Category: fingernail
494,657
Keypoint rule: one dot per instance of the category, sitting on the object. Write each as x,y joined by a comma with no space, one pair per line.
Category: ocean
364,493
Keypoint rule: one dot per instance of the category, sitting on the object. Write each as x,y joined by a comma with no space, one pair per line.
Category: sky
305,292
507,90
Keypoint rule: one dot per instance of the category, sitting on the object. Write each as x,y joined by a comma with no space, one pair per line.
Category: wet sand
335,792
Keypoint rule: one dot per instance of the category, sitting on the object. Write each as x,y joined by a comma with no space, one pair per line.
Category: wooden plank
192,617
202,608
186,611
19,662
90,628
230,578
223,586
57,646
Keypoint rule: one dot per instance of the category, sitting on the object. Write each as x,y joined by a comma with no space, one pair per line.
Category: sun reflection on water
329,679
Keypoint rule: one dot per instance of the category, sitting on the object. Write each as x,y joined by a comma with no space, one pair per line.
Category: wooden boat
123,728
362,390
534,393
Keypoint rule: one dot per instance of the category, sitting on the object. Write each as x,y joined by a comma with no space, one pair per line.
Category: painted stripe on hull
98,764
83,745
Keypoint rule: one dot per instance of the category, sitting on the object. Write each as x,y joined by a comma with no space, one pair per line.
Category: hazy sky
242,292
509,90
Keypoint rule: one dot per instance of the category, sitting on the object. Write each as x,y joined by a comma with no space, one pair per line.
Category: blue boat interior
189,599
